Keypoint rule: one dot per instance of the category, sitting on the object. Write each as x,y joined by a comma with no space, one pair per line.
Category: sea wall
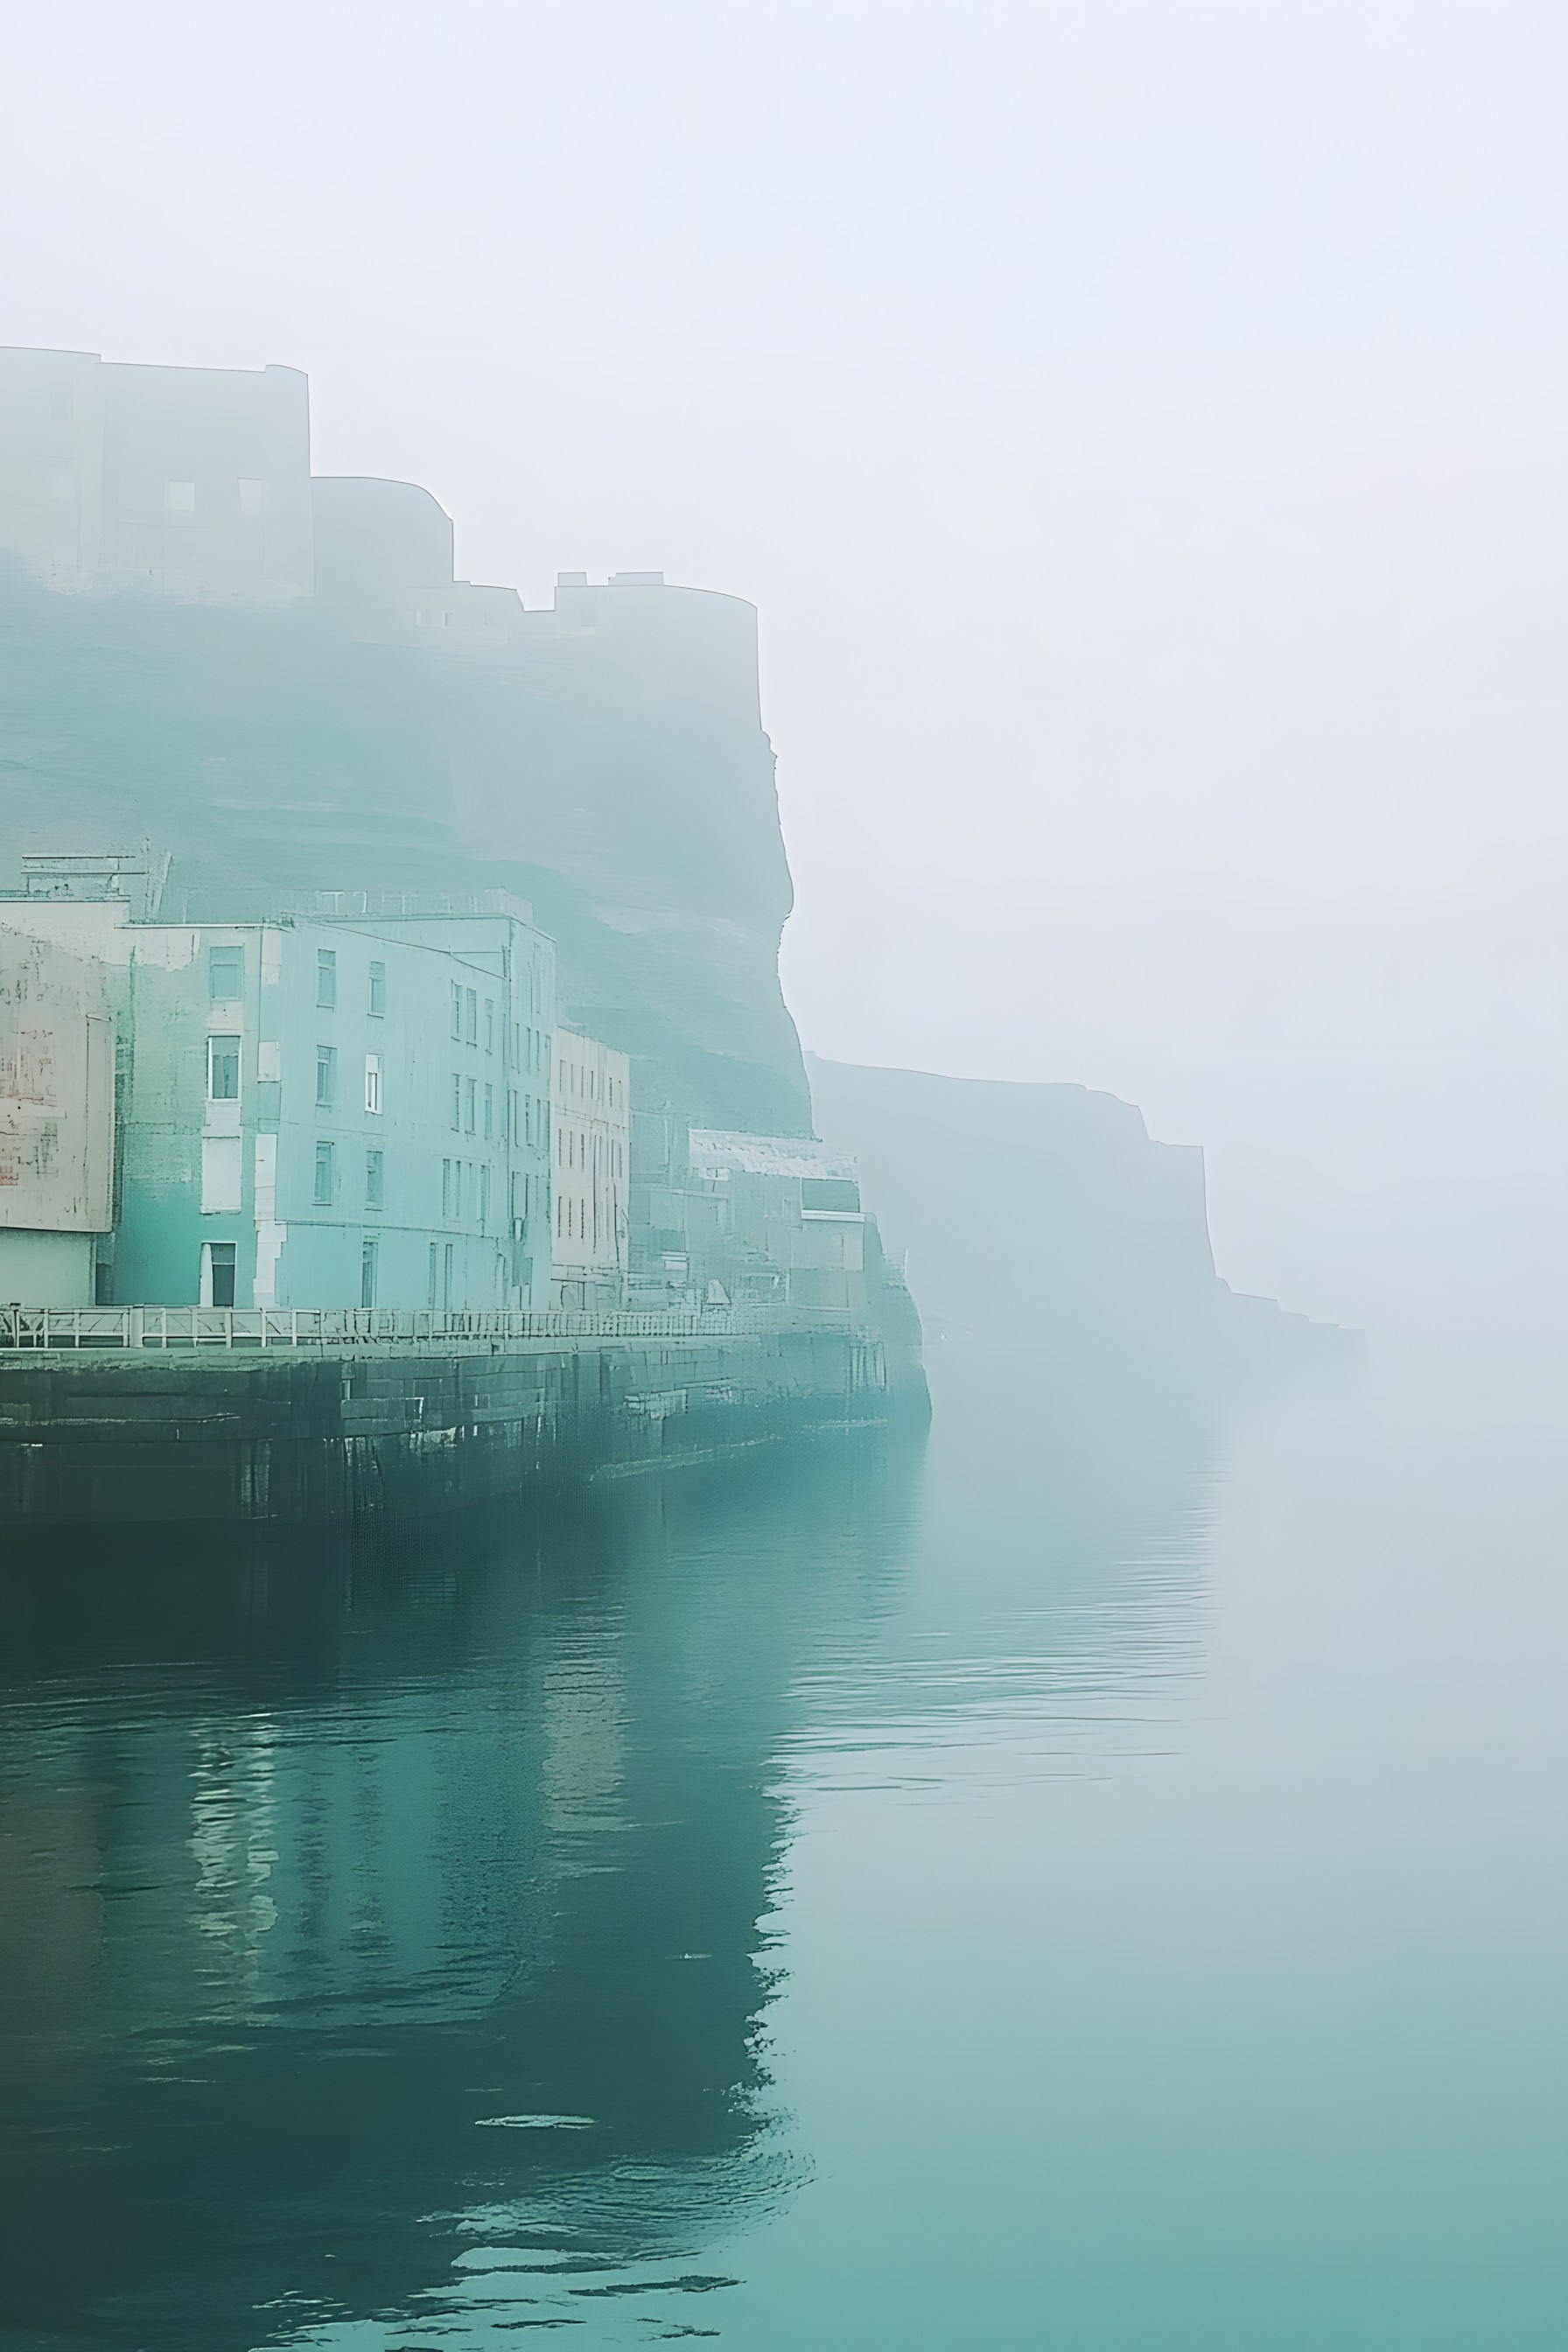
286,1437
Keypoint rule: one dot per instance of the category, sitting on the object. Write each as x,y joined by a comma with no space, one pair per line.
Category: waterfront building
56,1120
775,1219
590,1234
328,1112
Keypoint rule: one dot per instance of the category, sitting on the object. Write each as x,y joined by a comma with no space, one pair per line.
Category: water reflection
388,1942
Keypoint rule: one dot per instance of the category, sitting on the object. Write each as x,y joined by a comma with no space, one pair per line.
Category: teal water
1093,1880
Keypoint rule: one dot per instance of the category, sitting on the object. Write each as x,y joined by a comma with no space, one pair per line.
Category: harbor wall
303,1438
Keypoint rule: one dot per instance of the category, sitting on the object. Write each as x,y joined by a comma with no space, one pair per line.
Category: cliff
1045,1224
604,759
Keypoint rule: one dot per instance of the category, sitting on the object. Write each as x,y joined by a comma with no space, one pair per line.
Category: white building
57,1122
593,1140
784,1220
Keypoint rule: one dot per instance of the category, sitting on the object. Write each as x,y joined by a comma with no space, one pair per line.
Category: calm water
1093,1881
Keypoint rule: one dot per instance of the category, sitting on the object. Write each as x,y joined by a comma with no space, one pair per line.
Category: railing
376,1326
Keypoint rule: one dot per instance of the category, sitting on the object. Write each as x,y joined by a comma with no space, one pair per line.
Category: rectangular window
461,1167
62,403
225,975
430,1280
378,988
446,1192
367,1254
470,1105
326,1076
223,1070
489,1024
375,1180
489,1112
219,1273
250,498
484,1196
471,1001
449,1255
180,500
372,1084
456,1104
325,1170
457,1011
327,979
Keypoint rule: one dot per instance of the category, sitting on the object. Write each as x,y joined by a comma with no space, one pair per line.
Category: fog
1139,427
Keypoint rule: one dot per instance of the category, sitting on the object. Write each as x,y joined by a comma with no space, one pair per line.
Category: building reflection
361,1911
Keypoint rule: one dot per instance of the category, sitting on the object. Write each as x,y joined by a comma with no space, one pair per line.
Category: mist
1138,428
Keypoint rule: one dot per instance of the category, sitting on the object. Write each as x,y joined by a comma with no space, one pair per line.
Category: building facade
590,1234
325,1113
56,1120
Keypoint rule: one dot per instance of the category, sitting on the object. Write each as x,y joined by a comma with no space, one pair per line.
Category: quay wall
282,1437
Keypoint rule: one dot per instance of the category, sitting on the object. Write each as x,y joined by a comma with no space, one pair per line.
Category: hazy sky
1141,426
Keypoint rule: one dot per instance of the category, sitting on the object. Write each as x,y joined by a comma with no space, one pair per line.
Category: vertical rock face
604,758
1044,1226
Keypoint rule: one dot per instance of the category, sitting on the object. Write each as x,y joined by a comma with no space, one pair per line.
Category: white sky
1141,426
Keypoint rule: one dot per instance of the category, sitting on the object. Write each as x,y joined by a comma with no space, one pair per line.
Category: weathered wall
57,1090
95,1438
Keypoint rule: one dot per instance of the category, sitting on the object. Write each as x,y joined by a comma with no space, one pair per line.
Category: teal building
327,1110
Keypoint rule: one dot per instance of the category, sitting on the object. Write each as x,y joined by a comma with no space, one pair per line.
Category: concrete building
334,1112
190,482
593,1147
56,1120
776,1218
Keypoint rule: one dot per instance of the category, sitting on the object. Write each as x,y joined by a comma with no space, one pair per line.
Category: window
225,975
326,1076
375,1180
457,1011
470,1105
327,979
472,1002
484,1196
378,988
218,1273
489,1112
180,500
62,479
447,1256
489,1024
249,498
457,1103
430,1286
367,1254
461,1168
446,1192
62,403
372,1083
223,1070
326,1157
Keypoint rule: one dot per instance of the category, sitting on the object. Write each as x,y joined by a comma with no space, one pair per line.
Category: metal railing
346,1328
